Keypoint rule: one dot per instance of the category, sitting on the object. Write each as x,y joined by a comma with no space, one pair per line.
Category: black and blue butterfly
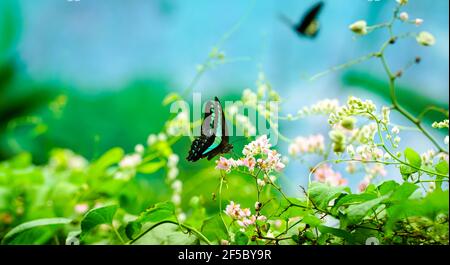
308,26
214,137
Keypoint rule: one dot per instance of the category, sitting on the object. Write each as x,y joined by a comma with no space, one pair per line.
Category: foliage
142,197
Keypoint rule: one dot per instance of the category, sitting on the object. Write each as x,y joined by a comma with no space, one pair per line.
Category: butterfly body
309,24
213,140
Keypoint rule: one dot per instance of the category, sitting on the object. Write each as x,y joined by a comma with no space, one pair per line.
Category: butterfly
309,24
214,134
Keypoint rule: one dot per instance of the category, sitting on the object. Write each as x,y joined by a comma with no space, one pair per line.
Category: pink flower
81,208
245,212
261,218
310,144
326,174
259,146
243,217
377,170
233,210
249,162
246,222
224,164
363,184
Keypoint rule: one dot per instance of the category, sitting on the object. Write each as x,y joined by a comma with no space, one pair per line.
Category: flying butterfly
214,134
309,24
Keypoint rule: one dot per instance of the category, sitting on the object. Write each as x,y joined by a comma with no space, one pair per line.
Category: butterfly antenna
286,20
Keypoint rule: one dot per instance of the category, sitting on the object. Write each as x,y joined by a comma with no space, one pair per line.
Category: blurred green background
91,75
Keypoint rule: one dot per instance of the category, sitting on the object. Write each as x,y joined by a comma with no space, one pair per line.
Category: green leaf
406,171
167,234
286,210
433,204
442,167
387,186
311,220
241,238
337,232
413,157
97,216
403,192
355,213
109,158
321,194
159,212
16,231
214,229
132,229
350,199
150,168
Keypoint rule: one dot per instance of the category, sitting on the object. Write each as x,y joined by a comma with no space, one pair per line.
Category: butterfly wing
214,135
220,145
198,147
201,145
308,26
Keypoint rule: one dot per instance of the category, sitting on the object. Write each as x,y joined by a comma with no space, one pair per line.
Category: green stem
220,203
189,228
430,109
401,110
383,145
117,234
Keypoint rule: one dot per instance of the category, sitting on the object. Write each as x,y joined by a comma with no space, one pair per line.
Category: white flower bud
258,206
162,137
173,173
172,160
151,139
404,16
176,199
395,130
359,27
261,183
418,21
139,148
177,186
425,38
181,217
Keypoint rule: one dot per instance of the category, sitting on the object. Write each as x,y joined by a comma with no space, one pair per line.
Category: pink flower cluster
362,186
257,153
310,144
260,146
244,216
227,164
326,174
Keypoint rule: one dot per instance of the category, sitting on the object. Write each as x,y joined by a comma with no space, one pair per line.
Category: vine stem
117,234
343,66
220,202
383,145
430,109
400,109
189,228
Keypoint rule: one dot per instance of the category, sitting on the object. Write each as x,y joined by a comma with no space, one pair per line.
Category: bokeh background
89,75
